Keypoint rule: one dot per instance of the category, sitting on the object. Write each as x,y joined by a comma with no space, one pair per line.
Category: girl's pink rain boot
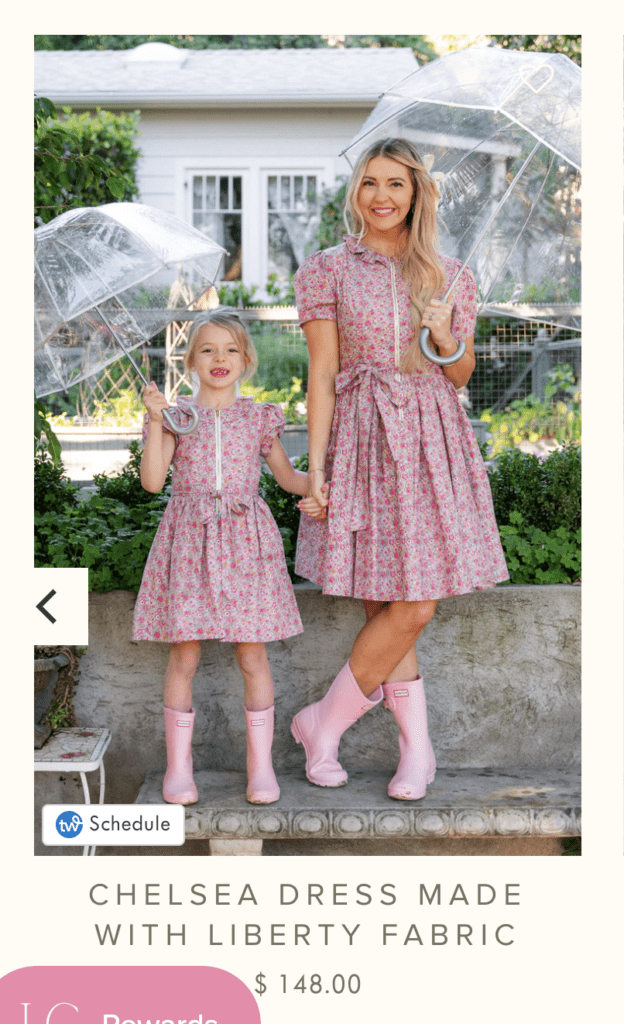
178,785
417,765
320,726
262,787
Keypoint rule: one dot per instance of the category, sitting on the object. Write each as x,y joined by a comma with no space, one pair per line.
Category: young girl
216,569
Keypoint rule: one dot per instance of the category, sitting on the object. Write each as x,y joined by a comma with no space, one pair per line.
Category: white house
239,143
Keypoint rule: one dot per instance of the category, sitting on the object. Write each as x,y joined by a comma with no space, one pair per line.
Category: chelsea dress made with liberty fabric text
410,515
216,569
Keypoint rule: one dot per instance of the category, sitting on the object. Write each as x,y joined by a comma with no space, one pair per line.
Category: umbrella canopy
503,127
102,278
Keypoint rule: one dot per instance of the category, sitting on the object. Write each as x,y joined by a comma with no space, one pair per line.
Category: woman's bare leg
387,638
408,666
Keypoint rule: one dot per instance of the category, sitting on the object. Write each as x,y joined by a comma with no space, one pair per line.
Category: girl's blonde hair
232,322
420,265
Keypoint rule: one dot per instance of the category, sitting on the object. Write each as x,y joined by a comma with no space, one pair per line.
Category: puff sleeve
464,299
315,287
272,424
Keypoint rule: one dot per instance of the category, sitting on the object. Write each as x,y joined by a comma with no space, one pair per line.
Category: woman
411,518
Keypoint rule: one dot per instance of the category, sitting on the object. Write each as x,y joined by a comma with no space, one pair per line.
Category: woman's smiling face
385,194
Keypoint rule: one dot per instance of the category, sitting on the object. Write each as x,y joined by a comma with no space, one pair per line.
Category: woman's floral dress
216,569
410,515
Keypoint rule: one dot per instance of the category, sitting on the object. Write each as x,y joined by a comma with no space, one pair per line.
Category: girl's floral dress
410,514
216,569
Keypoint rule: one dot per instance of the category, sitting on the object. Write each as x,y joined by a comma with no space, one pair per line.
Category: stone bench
468,803
502,676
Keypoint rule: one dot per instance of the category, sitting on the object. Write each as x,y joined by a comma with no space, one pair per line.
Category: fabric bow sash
370,398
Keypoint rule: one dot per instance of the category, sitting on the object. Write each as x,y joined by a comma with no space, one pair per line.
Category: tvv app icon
69,824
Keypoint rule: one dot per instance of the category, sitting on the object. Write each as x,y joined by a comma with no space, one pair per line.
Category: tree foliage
568,45
419,44
85,160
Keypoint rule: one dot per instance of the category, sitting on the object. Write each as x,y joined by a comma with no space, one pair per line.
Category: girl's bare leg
386,640
183,662
262,787
254,665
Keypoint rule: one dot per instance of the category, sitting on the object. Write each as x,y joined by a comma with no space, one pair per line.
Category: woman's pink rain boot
320,726
417,765
262,787
178,785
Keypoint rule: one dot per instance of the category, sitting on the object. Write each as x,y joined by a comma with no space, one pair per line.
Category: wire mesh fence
514,359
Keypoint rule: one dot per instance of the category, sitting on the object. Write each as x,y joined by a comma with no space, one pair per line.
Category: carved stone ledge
468,803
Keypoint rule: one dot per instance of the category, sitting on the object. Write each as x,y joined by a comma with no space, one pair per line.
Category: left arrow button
44,601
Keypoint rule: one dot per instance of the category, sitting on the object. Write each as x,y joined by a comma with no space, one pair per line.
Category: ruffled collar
358,248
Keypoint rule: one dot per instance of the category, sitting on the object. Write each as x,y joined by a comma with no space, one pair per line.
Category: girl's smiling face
385,194
217,358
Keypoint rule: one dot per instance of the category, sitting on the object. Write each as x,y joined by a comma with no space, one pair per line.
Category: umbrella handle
433,357
192,426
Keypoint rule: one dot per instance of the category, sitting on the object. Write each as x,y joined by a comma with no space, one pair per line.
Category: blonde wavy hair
420,265
232,322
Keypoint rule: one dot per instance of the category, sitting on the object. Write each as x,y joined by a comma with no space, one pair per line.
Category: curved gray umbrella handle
440,360
192,426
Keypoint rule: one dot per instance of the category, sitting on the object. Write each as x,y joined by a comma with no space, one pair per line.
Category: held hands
315,504
155,402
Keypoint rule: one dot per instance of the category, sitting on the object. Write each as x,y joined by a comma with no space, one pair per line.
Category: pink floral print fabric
216,569
410,515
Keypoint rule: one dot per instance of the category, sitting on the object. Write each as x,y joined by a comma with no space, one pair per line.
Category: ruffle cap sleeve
315,287
464,300
272,425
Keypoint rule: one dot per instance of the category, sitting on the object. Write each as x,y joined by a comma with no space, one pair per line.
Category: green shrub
284,511
126,486
105,536
546,492
85,160
292,399
53,490
534,556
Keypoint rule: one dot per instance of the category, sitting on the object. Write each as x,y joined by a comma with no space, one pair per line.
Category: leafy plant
332,226
126,486
45,438
545,492
284,511
53,490
292,399
84,160
534,556
107,537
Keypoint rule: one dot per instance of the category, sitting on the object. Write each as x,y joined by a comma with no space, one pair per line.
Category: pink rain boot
178,785
262,787
417,765
320,726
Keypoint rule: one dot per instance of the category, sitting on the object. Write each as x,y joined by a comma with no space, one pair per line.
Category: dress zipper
218,459
395,305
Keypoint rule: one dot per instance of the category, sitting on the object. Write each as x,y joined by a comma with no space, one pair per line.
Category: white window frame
255,172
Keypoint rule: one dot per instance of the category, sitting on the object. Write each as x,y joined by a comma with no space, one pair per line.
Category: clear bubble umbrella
504,130
102,277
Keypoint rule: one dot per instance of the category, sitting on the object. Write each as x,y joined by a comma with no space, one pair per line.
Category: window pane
272,192
299,196
211,194
198,192
223,193
285,192
238,193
